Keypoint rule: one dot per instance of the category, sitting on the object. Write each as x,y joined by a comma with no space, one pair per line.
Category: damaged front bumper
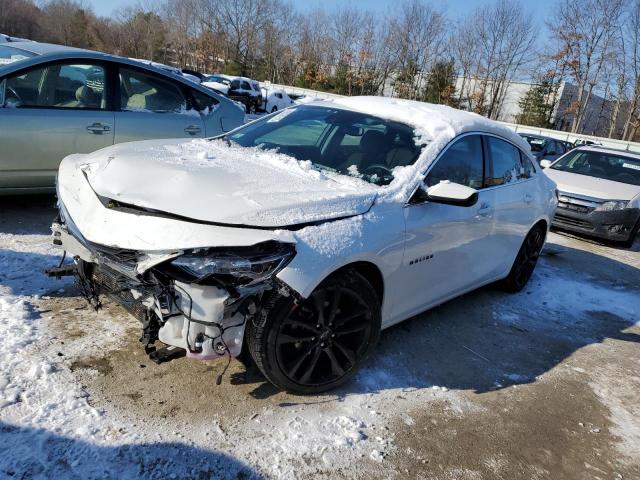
205,318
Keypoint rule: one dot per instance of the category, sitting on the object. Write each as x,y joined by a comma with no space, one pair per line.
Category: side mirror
447,193
545,163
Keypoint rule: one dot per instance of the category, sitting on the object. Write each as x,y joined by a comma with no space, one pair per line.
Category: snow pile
48,429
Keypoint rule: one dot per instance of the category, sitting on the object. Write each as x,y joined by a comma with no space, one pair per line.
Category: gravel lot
542,384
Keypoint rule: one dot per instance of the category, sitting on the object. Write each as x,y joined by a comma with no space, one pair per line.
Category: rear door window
146,92
505,163
205,103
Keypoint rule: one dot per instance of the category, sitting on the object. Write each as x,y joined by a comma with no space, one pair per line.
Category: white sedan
275,99
599,193
296,238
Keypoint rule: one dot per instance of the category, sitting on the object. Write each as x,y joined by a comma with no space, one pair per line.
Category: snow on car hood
592,186
210,181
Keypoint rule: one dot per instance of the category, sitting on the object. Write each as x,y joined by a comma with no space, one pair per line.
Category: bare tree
586,30
500,37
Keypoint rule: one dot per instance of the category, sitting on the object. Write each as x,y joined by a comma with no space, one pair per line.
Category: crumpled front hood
210,181
593,187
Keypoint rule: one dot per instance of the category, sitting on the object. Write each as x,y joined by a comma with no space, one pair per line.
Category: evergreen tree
535,107
441,84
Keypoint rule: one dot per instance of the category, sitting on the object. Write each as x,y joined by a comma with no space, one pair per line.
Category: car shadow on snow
488,340
38,453
27,214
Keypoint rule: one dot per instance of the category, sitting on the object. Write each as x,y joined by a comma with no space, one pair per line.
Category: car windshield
347,142
10,54
606,165
217,79
537,144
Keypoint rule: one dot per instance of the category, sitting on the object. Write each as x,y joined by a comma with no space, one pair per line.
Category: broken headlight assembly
230,267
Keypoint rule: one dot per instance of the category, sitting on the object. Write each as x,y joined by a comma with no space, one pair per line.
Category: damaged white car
296,238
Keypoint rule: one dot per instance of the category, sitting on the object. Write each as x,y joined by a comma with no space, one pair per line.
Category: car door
153,106
514,190
207,105
446,246
49,112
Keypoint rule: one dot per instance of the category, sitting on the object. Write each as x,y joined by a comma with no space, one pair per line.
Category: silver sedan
57,100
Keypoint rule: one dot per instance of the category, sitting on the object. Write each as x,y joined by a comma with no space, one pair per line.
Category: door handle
528,198
98,128
192,130
485,209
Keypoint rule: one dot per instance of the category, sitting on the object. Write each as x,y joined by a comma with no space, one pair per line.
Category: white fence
300,91
560,135
573,137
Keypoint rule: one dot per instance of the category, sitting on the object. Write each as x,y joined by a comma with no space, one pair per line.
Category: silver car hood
593,187
210,181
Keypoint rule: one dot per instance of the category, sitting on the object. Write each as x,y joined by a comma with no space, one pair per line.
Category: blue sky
455,8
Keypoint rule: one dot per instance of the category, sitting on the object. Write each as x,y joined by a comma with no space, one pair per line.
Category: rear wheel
526,260
319,343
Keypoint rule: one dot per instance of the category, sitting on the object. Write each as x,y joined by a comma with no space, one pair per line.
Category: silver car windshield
606,165
344,141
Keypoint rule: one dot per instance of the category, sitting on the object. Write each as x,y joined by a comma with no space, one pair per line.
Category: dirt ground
483,387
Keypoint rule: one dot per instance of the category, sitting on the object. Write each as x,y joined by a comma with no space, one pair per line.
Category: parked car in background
302,99
9,39
11,52
240,89
568,146
544,148
580,143
599,192
275,99
304,262
61,100
218,82
247,92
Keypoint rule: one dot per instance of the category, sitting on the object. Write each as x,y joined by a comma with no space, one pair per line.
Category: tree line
415,50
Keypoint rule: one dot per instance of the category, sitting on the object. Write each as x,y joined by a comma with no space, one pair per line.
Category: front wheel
318,344
274,109
526,260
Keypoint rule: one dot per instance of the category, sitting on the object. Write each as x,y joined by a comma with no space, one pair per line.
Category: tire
526,260
274,109
251,108
304,352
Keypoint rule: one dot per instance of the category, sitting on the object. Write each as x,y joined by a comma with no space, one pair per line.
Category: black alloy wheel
526,260
319,343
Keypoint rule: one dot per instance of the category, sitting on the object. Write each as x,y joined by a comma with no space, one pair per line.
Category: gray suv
57,100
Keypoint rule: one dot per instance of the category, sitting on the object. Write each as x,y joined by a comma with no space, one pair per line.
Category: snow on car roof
430,120
435,127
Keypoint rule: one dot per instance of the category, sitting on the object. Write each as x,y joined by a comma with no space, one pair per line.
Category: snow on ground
49,427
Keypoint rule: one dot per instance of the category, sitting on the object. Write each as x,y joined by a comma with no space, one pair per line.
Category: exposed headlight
612,205
241,266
